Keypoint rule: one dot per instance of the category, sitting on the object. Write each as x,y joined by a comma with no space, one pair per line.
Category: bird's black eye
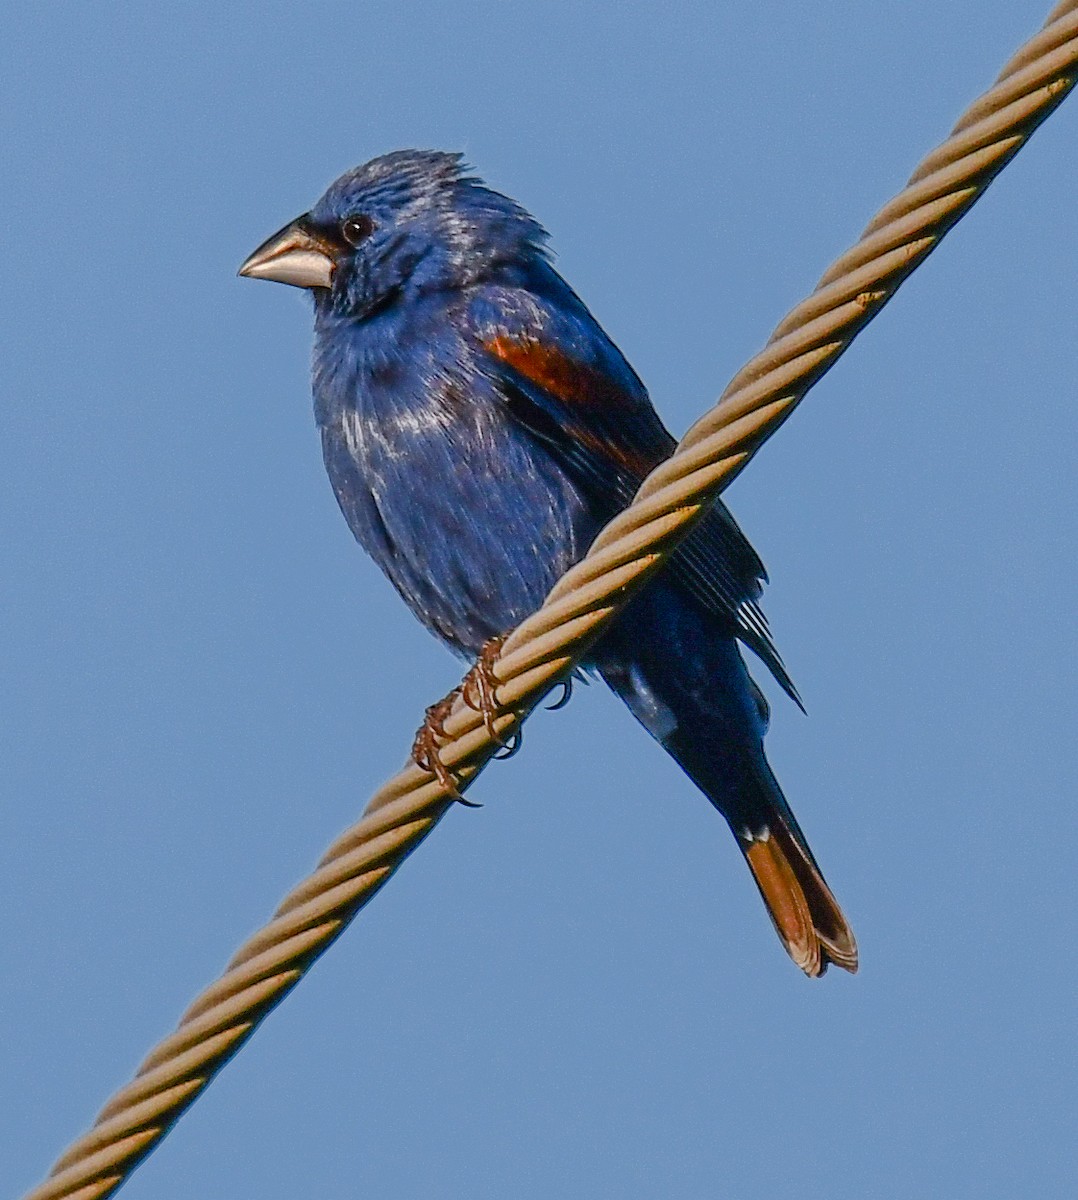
356,229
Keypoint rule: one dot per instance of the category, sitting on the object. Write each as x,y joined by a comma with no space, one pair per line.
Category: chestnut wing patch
608,439
585,405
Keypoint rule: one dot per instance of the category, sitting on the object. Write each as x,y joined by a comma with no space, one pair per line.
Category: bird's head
405,223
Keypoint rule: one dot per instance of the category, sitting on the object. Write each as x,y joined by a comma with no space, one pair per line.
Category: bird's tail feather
805,914
689,688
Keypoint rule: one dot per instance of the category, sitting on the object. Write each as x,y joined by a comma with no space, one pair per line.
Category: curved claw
509,748
566,686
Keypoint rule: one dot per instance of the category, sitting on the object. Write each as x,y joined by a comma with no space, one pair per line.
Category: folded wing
594,416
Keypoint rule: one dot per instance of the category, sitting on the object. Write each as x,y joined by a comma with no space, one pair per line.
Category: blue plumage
479,428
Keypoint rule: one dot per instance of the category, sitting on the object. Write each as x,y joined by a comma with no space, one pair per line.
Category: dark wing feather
608,439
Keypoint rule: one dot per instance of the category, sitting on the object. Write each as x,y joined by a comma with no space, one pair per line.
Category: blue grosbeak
479,428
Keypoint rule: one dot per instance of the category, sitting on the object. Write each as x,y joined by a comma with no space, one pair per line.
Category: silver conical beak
296,255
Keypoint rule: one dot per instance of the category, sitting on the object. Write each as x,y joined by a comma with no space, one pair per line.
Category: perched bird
479,428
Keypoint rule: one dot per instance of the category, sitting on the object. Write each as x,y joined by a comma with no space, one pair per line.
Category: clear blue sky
573,991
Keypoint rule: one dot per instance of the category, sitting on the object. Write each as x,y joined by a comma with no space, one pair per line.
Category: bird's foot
479,691
429,739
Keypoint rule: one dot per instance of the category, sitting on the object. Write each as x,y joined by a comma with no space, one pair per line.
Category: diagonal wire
543,650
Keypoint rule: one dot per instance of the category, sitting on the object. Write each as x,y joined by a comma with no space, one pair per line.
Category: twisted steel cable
544,649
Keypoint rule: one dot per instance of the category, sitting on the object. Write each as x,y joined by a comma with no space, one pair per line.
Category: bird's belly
471,520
